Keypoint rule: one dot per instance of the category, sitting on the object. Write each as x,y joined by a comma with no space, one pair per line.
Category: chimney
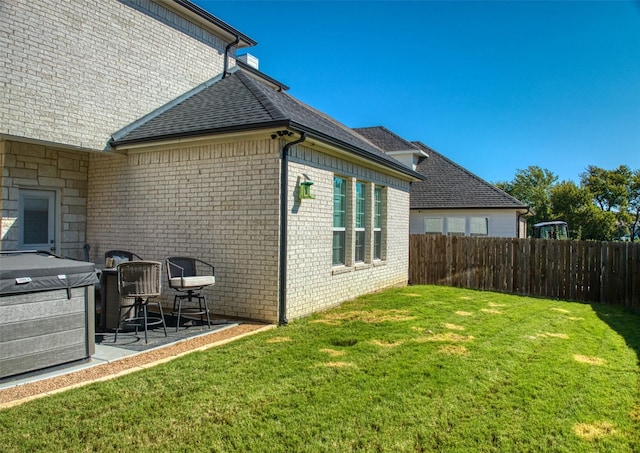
249,60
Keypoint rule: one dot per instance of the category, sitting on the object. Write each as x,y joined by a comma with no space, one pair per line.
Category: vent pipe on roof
225,71
284,216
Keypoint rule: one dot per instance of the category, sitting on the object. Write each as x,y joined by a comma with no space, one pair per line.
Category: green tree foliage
605,206
570,203
609,188
533,187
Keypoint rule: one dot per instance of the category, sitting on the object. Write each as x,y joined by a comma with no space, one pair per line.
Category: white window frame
360,222
340,230
378,216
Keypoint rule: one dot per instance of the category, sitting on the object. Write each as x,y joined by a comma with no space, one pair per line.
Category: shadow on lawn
623,321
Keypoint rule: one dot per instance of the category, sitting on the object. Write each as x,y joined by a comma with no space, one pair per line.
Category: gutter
284,216
280,123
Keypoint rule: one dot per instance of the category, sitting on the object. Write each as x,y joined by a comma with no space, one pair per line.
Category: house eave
210,22
354,150
235,131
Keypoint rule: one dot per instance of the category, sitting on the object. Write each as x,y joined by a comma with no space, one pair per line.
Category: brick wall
29,166
75,72
220,203
313,283
216,202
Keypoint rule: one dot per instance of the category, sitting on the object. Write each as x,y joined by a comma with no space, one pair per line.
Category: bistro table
110,298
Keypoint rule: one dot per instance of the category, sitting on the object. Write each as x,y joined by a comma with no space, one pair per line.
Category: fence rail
606,272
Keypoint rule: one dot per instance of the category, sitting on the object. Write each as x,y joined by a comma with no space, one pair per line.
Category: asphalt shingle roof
385,139
239,102
448,185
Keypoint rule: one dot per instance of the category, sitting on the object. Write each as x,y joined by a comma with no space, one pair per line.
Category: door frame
53,197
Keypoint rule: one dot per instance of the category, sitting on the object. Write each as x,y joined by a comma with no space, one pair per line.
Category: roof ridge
473,175
409,144
269,106
402,139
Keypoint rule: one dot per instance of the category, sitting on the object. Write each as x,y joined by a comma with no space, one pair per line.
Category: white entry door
36,220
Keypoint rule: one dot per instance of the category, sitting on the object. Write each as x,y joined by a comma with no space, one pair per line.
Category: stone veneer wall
75,72
29,166
313,283
216,202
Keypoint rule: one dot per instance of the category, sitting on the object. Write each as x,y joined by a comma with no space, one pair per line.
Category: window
377,223
455,226
339,220
361,221
36,220
434,225
478,226
359,218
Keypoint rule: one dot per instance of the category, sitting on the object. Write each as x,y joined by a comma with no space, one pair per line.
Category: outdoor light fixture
304,190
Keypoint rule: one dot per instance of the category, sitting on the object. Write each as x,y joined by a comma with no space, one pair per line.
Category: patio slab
128,344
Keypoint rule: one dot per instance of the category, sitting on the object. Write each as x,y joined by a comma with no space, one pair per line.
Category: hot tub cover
31,272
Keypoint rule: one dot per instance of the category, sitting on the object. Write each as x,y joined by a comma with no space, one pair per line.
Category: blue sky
494,86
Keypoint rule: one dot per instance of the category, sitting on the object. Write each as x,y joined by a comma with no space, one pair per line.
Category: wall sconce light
304,191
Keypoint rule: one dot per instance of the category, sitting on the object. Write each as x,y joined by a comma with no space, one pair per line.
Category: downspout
225,71
284,216
518,221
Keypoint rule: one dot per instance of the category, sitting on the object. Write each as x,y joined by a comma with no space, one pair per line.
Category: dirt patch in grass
493,304
589,360
453,326
278,340
464,313
332,352
448,337
372,316
594,431
554,335
413,295
573,318
450,349
386,344
466,297
491,311
327,322
338,364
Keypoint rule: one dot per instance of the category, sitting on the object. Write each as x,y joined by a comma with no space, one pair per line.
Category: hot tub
47,312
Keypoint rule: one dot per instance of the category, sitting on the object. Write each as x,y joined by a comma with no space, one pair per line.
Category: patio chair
188,276
138,281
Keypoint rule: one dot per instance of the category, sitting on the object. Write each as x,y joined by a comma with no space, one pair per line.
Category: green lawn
421,368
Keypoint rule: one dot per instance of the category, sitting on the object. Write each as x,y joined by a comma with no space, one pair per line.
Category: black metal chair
123,255
188,276
137,282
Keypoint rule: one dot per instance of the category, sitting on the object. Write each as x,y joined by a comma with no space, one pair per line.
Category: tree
533,187
609,188
571,203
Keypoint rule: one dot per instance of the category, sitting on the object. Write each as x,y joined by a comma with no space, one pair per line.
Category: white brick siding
218,202
313,283
74,72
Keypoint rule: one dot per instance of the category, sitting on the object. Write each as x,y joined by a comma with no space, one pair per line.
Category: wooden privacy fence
586,271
